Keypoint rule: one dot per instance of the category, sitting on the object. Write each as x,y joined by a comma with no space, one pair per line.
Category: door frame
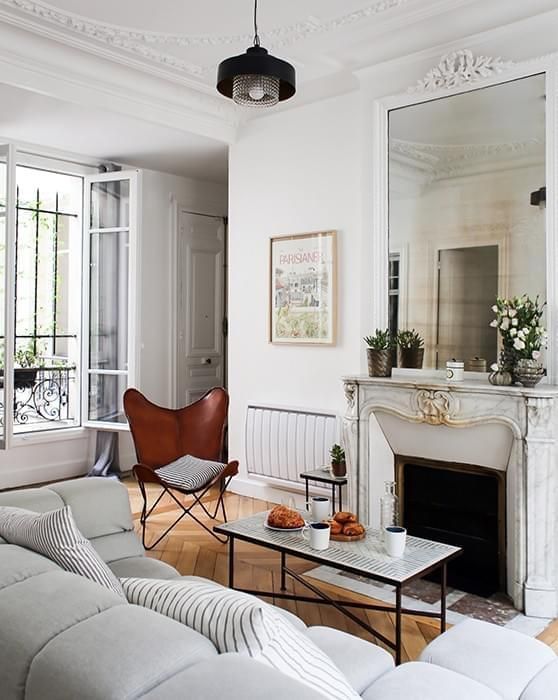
174,286
453,244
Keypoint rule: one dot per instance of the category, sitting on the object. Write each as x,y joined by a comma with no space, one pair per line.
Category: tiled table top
366,557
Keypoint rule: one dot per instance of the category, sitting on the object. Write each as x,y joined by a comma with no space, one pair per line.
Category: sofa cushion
119,545
101,506
420,681
544,685
500,658
34,611
291,617
119,654
18,564
241,623
142,567
360,661
55,535
39,500
231,677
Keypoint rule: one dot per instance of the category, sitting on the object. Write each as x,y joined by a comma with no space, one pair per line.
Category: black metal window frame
37,210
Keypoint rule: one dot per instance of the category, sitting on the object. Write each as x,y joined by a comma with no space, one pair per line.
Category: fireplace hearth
458,504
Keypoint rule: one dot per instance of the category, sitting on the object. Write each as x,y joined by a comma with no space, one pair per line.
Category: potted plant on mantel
338,462
379,353
523,337
410,348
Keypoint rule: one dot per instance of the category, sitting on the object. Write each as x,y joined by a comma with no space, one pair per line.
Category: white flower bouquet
519,322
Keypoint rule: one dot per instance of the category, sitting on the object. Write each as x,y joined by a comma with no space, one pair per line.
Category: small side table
325,477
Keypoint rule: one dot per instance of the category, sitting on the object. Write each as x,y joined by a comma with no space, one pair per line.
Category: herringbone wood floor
192,551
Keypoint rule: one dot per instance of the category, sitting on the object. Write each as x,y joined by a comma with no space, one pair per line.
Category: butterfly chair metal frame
162,435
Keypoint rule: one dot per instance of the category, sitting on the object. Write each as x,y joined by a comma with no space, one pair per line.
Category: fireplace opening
462,505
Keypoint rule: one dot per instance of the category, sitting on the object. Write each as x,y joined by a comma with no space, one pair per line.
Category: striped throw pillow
241,623
55,535
190,473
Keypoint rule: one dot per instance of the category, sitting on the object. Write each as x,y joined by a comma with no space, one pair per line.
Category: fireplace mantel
530,417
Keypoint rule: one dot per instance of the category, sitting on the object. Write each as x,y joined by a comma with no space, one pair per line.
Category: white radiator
281,443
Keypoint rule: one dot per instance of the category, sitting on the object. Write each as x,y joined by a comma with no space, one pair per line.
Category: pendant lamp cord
256,35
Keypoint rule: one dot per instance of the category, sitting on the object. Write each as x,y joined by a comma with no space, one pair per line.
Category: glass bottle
389,507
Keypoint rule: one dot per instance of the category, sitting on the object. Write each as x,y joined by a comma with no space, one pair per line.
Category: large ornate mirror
466,215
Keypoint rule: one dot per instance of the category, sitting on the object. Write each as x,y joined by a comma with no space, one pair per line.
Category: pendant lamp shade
256,78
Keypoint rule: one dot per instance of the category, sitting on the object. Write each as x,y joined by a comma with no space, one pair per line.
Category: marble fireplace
503,432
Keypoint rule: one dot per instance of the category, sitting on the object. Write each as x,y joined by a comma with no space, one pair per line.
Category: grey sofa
63,637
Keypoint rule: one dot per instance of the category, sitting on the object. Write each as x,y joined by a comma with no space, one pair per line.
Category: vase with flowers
523,337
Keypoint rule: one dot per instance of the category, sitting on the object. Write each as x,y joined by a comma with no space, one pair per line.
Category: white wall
48,457
162,195
291,172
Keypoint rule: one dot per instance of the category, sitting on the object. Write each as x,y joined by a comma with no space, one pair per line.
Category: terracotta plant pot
411,358
379,362
339,468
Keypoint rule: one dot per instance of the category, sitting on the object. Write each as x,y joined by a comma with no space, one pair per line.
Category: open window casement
110,330
7,288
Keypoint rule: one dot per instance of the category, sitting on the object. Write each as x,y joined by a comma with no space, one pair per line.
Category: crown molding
460,68
194,112
112,33
67,26
440,161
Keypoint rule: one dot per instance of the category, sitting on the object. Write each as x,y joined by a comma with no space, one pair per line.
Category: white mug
317,534
319,508
395,540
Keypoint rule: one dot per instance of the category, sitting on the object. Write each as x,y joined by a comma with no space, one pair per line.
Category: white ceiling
181,43
323,38
33,118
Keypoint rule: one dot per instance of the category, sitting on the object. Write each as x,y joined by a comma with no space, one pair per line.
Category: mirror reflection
466,216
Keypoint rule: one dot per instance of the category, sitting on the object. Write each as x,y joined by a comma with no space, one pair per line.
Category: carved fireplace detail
449,421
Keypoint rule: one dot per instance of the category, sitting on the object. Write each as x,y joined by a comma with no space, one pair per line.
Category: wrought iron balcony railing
43,395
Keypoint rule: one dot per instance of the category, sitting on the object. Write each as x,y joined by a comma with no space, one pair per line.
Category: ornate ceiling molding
444,160
141,42
460,68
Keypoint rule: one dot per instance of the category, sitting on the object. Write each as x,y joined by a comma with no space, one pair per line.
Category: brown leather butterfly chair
163,435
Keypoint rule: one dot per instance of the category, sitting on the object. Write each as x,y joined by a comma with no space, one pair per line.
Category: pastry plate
347,538
284,529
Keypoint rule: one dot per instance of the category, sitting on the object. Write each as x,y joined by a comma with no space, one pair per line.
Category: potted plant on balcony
338,463
379,353
410,348
26,365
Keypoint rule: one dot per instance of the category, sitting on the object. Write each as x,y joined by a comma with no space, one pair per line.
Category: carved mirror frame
460,72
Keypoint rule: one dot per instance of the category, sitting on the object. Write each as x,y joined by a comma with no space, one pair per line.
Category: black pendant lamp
255,78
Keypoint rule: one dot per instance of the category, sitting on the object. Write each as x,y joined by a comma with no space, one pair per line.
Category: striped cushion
55,535
237,622
190,473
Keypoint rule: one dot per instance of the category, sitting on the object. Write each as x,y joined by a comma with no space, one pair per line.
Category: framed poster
303,288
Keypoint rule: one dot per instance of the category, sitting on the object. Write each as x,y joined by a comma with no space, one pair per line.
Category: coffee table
364,558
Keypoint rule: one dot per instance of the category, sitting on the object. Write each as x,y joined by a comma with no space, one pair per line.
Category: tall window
47,313
67,296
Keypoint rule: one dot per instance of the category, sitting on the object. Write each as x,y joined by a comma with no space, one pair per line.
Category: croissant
336,528
345,517
284,517
353,529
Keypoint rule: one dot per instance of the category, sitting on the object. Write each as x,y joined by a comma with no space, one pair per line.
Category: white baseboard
255,488
40,474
